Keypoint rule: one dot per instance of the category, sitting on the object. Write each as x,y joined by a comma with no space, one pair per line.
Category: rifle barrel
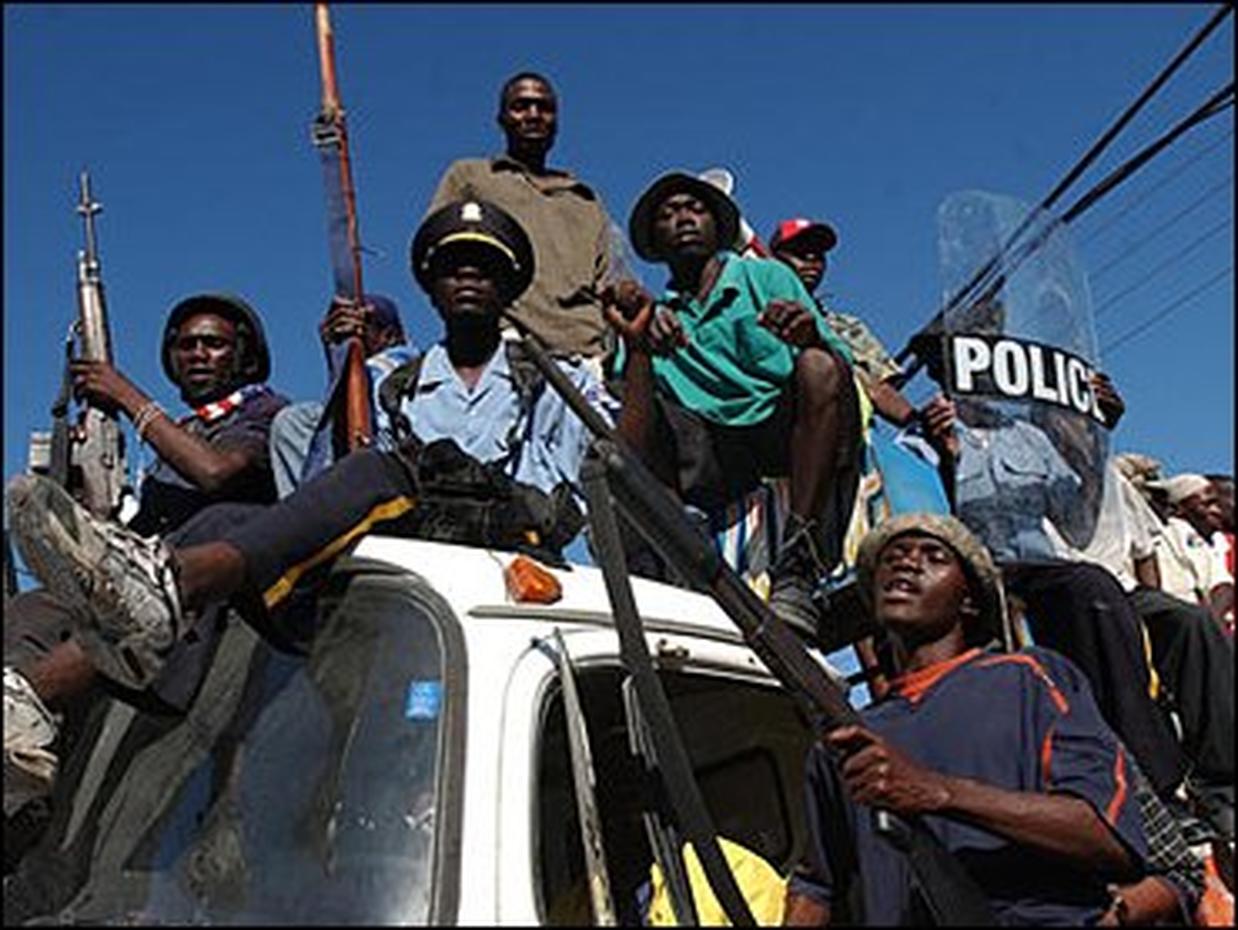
950,893
326,59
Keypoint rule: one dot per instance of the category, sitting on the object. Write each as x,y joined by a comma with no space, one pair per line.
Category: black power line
1166,310
1103,142
1162,227
1143,196
1217,103
1169,262
1011,262
989,269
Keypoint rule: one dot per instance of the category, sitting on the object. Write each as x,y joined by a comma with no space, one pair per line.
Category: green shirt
733,370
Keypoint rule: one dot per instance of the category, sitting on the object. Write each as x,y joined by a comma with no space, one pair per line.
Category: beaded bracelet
145,416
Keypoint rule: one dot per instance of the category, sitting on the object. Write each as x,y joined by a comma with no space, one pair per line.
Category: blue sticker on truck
424,699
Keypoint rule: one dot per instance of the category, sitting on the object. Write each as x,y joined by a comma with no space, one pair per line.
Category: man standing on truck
751,383
489,455
1035,796
563,217
215,351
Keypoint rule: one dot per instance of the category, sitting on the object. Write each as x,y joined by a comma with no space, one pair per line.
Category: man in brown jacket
564,217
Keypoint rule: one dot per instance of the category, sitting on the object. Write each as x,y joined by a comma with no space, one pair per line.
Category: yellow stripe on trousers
388,510
1154,680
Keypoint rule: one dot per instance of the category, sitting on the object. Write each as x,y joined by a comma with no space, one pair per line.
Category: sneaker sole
31,526
117,656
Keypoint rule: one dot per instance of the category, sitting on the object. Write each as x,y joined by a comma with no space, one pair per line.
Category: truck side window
747,743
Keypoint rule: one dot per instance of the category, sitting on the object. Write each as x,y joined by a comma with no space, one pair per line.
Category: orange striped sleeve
1119,789
1059,699
1046,757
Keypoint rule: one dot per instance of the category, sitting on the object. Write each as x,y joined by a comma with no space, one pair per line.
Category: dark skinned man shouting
1005,756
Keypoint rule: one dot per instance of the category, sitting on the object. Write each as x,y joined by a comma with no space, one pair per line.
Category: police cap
476,223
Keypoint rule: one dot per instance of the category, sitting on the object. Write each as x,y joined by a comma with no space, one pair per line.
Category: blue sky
194,123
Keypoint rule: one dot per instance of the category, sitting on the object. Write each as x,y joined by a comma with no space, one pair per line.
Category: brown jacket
570,232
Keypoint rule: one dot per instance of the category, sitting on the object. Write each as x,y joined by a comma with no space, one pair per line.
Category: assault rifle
87,458
951,895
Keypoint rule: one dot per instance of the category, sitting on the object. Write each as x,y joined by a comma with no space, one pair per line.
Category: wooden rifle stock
356,397
331,138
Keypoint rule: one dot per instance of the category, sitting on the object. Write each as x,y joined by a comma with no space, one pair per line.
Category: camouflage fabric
870,355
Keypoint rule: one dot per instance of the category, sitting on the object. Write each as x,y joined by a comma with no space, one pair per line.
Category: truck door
744,735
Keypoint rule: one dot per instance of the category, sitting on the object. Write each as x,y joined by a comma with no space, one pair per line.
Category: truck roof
471,580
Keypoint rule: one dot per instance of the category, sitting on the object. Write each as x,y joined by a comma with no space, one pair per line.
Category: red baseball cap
802,230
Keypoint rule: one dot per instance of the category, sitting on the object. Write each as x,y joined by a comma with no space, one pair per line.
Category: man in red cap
802,244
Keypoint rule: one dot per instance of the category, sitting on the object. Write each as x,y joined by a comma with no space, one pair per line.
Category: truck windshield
315,799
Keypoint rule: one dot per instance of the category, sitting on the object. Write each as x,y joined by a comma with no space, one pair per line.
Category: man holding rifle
1035,796
471,416
301,438
214,350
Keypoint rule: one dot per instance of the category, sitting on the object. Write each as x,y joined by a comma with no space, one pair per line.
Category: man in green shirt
750,382
564,218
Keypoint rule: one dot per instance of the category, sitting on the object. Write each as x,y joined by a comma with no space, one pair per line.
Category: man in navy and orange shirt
1003,755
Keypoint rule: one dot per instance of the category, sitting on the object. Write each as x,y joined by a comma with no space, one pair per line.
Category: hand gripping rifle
89,458
611,473
330,135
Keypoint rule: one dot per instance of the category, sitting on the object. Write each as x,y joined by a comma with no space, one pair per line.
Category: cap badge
470,212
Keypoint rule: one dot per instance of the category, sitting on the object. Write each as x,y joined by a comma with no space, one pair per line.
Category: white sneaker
120,585
29,728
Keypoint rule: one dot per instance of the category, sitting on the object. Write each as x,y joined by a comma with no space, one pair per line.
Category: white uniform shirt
1190,565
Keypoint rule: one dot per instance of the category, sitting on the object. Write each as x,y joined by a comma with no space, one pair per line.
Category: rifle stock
330,136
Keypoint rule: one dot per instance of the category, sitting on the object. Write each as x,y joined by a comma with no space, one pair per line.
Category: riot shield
1017,354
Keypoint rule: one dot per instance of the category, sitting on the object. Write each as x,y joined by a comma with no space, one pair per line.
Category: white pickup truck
415,767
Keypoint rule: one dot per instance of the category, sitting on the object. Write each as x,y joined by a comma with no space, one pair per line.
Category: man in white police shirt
145,603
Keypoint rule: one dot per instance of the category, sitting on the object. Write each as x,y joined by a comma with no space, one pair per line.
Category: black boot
794,577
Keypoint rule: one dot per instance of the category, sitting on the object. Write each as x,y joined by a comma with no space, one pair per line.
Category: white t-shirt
1127,530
